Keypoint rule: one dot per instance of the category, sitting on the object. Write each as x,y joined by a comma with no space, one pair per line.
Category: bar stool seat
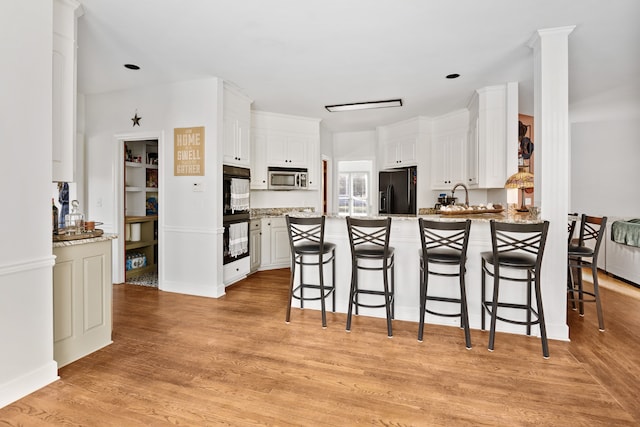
584,254
309,249
369,242
516,247
445,244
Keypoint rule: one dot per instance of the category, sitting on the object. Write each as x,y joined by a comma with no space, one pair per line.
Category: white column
551,112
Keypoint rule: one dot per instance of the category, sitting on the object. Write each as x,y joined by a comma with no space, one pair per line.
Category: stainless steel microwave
288,178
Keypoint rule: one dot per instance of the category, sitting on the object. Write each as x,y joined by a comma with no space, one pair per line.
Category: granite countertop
484,217
257,213
103,238
509,215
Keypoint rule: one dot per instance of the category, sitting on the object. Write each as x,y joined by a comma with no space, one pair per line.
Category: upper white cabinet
398,144
287,150
236,128
448,160
314,164
285,141
258,159
63,156
491,114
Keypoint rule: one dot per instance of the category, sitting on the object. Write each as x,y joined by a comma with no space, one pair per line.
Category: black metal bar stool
444,244
571,227
308,248
369,241
519,247
585,254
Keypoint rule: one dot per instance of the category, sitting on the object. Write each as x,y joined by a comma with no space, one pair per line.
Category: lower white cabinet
255,244
82,292
275,244
236,270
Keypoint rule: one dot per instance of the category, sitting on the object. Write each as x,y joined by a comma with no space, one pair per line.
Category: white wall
605,170
190,222
26,260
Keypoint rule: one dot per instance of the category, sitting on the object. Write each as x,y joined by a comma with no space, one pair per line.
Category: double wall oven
235,215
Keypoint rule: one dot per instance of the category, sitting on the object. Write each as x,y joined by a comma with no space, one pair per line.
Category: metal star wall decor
136,120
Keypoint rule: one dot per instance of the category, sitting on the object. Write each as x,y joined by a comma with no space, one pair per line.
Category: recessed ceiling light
364,105
131,66
453,76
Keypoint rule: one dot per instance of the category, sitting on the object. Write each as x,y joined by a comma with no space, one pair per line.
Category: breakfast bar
405,238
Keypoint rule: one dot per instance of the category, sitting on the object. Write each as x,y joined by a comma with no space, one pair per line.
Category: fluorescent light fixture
364,105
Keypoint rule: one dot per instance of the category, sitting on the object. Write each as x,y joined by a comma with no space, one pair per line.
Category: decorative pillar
551,112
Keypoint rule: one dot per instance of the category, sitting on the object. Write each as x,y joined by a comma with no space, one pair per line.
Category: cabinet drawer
236,270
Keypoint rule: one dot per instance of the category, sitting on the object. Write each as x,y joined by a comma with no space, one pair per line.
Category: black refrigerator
397,191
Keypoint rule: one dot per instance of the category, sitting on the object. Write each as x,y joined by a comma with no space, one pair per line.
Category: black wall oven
235,212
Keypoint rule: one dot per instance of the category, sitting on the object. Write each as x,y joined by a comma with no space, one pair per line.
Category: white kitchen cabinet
489,120
448,160
255,244
314,165
398,143
236,270
259,174
287,150
275,244
283,141
400,153
63,155
82,288
236,128
472,152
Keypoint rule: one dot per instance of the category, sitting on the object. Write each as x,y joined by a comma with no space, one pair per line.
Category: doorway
138,209
141,178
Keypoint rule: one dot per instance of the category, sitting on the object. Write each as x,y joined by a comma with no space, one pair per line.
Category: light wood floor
190,361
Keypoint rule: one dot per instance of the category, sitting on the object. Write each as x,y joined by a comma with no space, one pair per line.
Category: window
353,193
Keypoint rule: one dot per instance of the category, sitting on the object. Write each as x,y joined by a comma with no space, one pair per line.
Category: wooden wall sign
188,151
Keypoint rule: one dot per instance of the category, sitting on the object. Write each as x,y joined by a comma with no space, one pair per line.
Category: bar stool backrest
571,227
453,236
591,230
519,239
369,232
305,231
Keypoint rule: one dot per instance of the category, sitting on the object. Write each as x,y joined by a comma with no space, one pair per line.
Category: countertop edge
103,238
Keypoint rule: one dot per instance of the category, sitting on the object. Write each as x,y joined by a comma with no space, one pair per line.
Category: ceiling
295,57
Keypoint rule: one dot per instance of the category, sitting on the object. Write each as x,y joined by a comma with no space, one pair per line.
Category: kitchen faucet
466,192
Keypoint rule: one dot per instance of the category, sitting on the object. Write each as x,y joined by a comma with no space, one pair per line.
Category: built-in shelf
141,206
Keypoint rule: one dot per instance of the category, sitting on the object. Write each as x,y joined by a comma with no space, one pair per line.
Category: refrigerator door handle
409,179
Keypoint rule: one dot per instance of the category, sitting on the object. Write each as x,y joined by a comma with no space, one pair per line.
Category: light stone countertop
103,238
483,217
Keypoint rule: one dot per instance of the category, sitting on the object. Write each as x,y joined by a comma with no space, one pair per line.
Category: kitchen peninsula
405,238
